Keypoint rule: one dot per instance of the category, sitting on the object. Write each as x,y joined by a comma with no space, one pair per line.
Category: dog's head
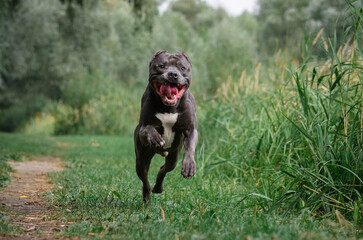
170,76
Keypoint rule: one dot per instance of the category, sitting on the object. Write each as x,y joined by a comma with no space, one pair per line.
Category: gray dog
167,120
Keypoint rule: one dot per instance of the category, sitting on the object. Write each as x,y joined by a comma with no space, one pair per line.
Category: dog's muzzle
168,91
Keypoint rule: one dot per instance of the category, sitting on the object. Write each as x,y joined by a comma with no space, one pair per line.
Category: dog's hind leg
170,163
143,159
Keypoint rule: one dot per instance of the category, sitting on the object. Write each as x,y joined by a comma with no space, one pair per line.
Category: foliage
18,113
228,39
72,61
4,169
284,23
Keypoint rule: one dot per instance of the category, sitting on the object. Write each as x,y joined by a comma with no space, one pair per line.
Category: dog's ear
157,54
186,57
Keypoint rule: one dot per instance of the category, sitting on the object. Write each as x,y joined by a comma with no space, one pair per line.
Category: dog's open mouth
169,92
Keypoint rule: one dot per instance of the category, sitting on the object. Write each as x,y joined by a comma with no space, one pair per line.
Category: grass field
99,195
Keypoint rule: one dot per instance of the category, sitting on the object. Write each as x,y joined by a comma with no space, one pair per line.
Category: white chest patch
167,120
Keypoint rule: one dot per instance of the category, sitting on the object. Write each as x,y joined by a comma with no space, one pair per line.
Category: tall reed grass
293,136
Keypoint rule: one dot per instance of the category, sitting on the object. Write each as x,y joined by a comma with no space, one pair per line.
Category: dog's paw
188,168
157,189
156,141
146,194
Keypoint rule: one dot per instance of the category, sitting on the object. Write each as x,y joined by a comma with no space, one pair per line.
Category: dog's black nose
173,75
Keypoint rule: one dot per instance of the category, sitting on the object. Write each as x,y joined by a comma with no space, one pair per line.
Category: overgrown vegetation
301,144
280,113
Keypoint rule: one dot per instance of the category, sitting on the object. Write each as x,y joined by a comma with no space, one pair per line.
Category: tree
284,23
145,11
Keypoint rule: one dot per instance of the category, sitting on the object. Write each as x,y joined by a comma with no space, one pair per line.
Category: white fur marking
167,120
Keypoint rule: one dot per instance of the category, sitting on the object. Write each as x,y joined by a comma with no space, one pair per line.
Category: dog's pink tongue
168,90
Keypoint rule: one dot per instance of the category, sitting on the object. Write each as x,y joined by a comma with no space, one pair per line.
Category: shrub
41,123
15,117
116,112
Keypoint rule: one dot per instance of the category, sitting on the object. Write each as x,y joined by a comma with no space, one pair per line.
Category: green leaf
313,76
303,131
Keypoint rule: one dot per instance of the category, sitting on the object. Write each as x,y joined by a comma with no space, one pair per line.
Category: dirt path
23,199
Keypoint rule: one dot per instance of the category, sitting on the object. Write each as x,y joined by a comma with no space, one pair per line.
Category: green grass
99,195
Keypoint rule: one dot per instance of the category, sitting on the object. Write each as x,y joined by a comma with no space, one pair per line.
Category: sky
233,7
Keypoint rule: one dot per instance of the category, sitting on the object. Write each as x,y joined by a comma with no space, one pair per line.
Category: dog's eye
162,66
182,68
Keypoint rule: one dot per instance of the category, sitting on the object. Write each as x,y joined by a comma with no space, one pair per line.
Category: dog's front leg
190,143
150,137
